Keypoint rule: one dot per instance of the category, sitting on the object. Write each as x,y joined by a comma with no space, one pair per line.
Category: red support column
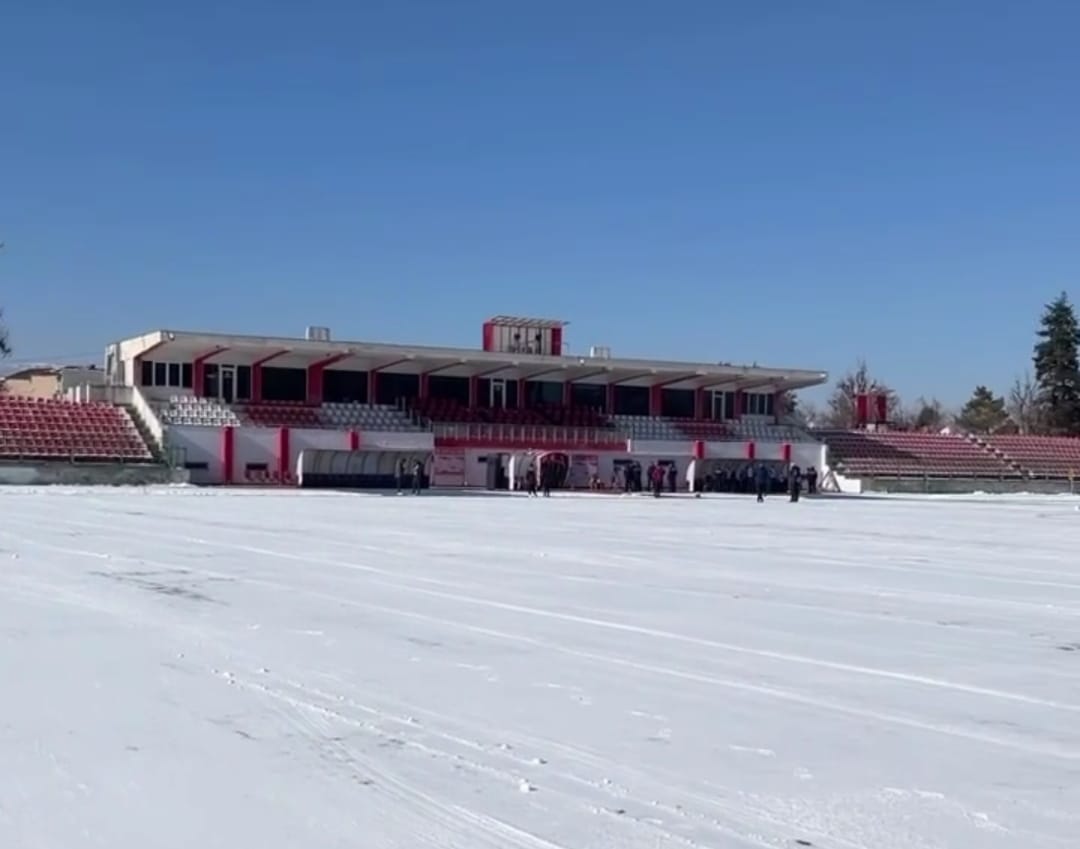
568,393
740,403
556,341
228,456
315,374
283,452
474,391
699,404
656,400
609,400
354,441
257,375
425,383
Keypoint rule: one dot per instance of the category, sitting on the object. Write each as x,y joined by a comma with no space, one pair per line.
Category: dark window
677,403
243,383
174,374
284,384
453,389
196,467
160,374
512,394
394,387
210,378
147,377
341,386
631,400
185,376
588,395
539,392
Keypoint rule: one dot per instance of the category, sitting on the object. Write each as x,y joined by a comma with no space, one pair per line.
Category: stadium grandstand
242,409
236,409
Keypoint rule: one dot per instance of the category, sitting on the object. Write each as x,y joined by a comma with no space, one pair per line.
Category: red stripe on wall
556,341
354,440
228,454
283,452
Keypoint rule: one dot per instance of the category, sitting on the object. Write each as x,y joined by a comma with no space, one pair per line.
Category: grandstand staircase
156,451
999,455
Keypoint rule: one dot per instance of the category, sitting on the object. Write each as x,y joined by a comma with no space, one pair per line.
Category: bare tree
1025,405
841,409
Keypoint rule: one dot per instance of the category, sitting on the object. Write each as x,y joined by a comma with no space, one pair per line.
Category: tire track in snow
774,692
394,580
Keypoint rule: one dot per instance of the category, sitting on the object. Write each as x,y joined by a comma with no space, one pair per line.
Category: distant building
49,381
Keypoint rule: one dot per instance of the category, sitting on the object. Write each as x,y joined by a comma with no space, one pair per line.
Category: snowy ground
195,669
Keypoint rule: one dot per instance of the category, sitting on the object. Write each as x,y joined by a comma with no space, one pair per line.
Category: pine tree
1057,371
5,346
984,412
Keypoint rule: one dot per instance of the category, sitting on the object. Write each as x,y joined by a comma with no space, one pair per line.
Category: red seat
53,428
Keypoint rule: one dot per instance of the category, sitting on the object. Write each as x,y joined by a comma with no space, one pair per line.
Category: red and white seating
900,454
1039,456
53,429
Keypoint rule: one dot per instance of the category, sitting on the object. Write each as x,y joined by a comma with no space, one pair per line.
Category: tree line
1043,400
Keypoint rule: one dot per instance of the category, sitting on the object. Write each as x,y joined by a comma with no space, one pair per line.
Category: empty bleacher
1038,456
441,410
40,428
759,431
373,417
206,412
662,429
902,454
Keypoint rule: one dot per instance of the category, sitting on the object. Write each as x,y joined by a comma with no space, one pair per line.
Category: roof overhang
459,362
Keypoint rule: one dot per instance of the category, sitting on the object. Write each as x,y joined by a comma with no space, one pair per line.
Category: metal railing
538,435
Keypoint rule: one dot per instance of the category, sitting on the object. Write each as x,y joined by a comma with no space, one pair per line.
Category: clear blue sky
789,182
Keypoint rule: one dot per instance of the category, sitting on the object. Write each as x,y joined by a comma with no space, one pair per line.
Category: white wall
260,445
252,445
200,445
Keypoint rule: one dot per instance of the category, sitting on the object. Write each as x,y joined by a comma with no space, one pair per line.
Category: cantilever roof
224,348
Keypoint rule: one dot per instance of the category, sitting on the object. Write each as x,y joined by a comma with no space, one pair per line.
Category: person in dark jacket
656,479
417,476
547,471
530,482
762,481
811,481
795,482
672,477
399,476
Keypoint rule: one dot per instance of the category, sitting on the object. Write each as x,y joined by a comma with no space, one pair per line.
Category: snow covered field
303,671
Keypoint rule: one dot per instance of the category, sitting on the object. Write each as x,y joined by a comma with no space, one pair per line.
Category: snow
227,669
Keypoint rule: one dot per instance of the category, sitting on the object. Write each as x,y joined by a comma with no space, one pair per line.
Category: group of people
763,480
631,477
760,479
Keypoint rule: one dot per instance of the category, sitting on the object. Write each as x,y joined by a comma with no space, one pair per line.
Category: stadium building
244,409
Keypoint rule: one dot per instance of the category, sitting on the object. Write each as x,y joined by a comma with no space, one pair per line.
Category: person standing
761,481
417,476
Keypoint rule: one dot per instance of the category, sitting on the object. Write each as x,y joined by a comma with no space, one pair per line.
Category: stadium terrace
235,408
